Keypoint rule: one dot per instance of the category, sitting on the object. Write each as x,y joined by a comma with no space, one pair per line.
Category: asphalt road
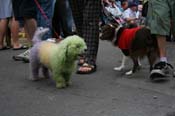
104,93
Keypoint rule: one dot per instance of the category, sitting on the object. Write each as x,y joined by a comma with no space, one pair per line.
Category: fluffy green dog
59,58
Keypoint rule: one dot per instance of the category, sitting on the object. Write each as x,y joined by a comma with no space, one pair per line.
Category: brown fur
144,44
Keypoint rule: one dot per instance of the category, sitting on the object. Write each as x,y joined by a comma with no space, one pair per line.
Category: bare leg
161,40
3,28
15,31
30,27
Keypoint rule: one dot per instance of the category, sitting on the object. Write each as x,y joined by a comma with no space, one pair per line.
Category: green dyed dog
59,58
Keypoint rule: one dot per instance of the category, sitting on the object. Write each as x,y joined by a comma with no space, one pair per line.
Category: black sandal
4,48
92,68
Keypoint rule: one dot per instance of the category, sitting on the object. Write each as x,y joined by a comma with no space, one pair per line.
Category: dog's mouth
82,52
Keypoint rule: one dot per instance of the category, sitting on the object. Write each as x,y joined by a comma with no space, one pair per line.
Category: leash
46,18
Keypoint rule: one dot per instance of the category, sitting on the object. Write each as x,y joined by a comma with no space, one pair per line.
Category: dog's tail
39,33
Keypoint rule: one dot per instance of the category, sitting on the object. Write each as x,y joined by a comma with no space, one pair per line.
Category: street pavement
104,93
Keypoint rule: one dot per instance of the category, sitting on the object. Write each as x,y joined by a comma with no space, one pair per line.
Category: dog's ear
64,52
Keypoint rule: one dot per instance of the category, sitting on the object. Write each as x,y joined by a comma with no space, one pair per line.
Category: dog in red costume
134,42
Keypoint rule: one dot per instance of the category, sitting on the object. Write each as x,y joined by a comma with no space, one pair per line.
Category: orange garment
126,37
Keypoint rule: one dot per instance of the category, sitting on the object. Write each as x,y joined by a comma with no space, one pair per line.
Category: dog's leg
34,67
122,64
59,79
67,78
45,72
135,66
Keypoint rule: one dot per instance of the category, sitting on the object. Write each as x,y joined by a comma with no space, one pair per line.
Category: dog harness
126,37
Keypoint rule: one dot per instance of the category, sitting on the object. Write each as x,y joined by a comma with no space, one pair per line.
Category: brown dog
135,42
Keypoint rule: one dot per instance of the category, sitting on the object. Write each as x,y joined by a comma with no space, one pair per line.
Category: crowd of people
84,17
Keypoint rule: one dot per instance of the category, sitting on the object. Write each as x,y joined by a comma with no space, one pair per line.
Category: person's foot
161,71
22,57
86,69
20,47
4,48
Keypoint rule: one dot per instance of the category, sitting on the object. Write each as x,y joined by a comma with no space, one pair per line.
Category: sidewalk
104,93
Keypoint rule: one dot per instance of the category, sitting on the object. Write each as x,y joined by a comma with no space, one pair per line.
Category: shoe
20,48
22,57
161,71
92,68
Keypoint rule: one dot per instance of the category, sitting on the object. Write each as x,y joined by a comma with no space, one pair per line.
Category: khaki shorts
161,16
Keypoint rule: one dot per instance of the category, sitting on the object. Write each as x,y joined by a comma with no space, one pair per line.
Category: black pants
86,15
24,8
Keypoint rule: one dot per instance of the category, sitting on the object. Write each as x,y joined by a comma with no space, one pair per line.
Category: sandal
86,69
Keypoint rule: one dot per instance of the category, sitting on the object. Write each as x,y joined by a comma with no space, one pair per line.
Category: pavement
103,93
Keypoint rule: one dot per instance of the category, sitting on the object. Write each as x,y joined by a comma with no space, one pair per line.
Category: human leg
159,23
3,27
161,41
14,33
30,26
26,9
90,30
77,7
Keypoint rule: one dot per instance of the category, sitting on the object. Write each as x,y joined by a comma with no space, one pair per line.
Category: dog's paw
129,73
119,68
60,85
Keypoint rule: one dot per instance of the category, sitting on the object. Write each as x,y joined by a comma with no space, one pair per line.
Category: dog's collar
116,32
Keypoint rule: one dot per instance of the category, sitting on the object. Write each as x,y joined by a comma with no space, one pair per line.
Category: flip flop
20,48
4,48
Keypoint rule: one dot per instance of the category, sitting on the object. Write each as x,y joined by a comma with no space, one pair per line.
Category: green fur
63,59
